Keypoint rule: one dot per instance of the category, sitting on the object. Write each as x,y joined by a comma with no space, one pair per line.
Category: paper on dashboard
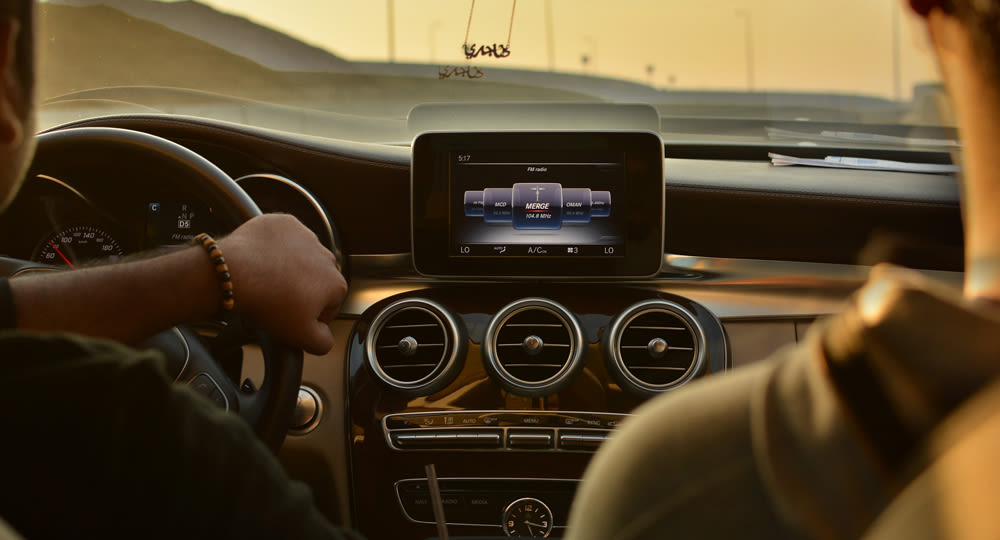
846,162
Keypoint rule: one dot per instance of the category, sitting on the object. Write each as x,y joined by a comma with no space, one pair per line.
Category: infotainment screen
538,203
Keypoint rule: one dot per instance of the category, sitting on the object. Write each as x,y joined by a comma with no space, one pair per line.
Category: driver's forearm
126,302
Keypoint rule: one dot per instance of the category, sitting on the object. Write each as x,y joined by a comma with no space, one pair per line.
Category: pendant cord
468,28
510,28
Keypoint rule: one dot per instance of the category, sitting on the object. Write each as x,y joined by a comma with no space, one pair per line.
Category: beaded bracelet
221,269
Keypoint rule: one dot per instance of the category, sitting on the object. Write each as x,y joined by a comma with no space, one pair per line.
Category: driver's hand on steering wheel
285,281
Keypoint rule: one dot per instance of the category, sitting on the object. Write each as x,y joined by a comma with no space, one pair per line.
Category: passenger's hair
982,19
23,11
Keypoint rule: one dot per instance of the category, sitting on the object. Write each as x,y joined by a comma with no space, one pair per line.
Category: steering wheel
268,409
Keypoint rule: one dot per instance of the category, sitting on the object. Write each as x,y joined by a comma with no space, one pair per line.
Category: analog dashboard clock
527,517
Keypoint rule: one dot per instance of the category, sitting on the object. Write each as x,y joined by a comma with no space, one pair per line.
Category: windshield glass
718,70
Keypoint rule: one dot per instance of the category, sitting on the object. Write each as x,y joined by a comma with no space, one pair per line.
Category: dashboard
501,348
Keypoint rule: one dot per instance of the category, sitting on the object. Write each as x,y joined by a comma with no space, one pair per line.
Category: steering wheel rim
270,410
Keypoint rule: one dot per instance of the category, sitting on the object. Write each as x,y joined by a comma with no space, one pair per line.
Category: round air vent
414,346
655,346
533,347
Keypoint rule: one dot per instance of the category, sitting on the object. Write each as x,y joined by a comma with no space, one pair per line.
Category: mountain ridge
118,49
239,35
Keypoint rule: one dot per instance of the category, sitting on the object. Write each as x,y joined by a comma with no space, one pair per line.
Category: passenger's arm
975,101
284,281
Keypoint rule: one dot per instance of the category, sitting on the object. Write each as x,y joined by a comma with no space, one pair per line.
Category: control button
474,203
537,206
489,439
482,509
219,400
445,438
530,439
453,505
497,205
418,506
576,205
400,422
581,440
414,486
612,423
306,410
414,439
600,204
203,384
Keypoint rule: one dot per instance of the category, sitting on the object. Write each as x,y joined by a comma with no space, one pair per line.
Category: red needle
61,254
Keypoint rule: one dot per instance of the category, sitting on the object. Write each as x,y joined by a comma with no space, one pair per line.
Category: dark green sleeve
97,442
8,316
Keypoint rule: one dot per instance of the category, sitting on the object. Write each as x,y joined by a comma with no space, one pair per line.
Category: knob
657,347
533,345
307,410
407,346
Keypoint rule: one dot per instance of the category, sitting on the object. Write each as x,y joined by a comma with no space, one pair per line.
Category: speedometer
78,244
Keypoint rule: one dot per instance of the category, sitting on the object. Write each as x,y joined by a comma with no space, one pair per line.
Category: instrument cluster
58,222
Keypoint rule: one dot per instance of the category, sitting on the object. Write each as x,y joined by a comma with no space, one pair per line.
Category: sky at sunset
812,45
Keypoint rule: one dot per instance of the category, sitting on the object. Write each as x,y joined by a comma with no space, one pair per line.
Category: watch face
527,518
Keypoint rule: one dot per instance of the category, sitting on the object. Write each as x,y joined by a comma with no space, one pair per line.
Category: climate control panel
500,430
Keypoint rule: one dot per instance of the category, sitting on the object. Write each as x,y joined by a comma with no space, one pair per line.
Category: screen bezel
644,222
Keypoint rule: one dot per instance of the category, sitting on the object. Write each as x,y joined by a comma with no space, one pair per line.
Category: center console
500,372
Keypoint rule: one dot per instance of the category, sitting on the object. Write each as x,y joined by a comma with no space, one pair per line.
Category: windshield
720,70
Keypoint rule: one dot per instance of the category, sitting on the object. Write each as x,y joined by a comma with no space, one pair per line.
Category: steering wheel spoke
191,363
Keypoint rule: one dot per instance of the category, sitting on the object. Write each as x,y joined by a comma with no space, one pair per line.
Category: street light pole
592,57
390,17
897,77
550,39
748,45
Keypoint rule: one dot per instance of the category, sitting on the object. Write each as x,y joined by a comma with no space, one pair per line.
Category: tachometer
78,244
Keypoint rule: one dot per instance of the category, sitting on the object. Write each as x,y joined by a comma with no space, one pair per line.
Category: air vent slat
419,346
563,345
533,325
669,328
672,348
394,326
557,366
409,366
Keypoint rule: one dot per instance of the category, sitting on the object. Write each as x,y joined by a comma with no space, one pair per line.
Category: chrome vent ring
655,346
415,346
533,347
